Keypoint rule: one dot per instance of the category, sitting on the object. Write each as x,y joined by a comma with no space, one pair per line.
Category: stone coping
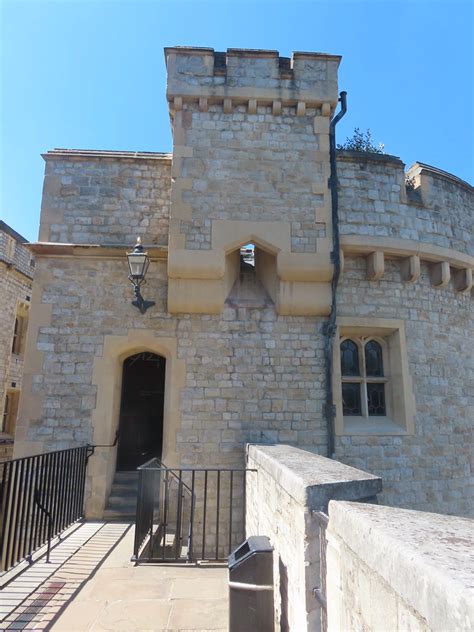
114,251
421,167
247,52
312,480
103,153
426,558
359,156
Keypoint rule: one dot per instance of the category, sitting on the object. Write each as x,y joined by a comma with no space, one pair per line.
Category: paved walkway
91,585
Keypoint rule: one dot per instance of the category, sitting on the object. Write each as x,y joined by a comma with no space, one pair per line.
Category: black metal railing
320,591
40,496
188,514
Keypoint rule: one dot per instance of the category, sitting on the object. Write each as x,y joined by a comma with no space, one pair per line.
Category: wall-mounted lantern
138,262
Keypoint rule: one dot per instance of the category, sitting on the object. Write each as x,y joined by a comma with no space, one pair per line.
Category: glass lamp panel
349,358
351,399
376,399
373,359
137,264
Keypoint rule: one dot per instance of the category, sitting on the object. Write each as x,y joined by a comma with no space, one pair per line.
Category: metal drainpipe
329,329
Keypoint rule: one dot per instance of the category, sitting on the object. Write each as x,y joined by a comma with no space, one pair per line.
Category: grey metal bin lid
253,544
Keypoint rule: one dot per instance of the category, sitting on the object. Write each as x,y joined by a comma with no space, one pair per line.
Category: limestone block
462,280
440,274
304,298
410,268
375,265
196,296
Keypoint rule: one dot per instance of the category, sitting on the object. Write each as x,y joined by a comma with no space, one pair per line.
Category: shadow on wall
284,626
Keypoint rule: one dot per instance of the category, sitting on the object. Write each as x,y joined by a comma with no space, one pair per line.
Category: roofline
8,229
103,153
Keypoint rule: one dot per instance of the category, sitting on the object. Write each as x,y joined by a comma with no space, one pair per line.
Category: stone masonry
16,277
250,164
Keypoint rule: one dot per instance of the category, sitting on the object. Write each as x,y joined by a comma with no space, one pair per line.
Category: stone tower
250,164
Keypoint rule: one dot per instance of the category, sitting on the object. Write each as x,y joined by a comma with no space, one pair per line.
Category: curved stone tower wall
428,468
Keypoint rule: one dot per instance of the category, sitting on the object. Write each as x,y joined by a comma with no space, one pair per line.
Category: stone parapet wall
429,469
373,201
288,485
392,569
105,197
245,74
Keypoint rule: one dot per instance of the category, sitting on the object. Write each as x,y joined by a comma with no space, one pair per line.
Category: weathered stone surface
395,569
287,486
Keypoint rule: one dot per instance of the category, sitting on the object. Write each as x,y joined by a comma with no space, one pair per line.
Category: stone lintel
311,479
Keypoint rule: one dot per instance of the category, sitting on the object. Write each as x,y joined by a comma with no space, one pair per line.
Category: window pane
349,358
351,399
373,359
376,399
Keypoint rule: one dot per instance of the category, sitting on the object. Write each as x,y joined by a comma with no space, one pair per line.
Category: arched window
363,383
349,358
373,359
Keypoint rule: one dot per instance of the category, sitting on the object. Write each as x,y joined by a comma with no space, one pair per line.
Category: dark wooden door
141,410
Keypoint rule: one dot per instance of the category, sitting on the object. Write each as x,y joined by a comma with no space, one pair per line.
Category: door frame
107,377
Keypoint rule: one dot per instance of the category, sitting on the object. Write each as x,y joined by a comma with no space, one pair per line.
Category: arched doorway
141,410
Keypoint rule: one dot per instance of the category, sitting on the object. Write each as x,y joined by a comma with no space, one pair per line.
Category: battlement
243,74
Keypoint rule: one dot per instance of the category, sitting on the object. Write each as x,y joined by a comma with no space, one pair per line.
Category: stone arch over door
107,377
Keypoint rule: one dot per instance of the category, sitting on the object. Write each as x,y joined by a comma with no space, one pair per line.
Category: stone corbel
410,268
440,274
375,265
326,109
300,108
276,108
227,105
462,280
203,104
178,104
252,106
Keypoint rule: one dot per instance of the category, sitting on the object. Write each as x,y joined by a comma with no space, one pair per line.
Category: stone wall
16,277
253,167
429,469
105,197
250,375
392,569
373,202
288,486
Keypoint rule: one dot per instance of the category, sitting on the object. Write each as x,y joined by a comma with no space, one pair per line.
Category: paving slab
92,586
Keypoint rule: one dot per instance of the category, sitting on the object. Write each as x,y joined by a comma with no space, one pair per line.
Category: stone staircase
122,502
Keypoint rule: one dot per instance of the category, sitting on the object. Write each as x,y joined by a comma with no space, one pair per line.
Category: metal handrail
40,497
215,514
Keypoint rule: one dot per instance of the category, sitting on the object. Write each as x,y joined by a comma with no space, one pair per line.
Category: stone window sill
372,426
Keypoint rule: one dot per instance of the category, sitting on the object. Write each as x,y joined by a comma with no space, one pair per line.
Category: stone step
118,516
122,501
126,477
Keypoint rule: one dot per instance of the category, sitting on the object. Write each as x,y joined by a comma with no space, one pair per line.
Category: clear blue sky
91,74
